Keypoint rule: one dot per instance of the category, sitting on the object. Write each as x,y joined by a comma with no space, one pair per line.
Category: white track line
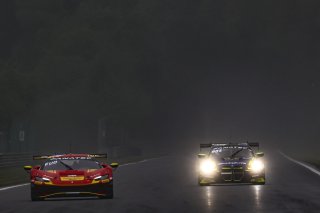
301,164
11,187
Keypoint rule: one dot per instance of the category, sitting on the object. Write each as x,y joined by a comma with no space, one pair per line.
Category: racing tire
35,197
109,196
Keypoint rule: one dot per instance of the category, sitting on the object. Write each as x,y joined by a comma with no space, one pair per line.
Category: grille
234,173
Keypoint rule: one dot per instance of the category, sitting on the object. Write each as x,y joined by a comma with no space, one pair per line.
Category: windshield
70,164
231,152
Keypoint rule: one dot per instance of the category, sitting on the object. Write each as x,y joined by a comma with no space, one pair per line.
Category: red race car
71,175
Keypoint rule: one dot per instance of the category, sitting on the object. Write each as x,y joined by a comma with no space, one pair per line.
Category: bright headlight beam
207,167
257,165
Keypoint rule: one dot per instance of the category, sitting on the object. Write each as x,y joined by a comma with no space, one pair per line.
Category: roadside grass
17,175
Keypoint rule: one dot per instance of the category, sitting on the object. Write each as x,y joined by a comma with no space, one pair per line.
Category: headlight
207,167
42,179
256,165
103,177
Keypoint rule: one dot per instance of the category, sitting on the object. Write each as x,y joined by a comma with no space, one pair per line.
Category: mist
90,76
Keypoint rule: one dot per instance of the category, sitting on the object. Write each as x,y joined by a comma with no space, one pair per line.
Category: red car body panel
85,182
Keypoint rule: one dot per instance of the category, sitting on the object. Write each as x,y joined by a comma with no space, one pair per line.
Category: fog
90,76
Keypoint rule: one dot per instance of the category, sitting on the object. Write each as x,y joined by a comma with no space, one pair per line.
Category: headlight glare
256,165
207,167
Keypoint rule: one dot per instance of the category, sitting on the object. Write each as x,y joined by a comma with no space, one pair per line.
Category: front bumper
233,176
87,190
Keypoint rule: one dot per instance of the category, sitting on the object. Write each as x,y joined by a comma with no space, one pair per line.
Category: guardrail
15,159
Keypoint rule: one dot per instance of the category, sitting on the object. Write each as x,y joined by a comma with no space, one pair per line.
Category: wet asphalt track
169,184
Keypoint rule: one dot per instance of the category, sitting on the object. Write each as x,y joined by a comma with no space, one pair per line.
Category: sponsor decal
50,163
72,158
72,178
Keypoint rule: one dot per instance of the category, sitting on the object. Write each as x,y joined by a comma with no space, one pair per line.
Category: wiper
66,165
235,153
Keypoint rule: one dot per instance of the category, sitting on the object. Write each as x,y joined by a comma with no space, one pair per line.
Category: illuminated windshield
70,164
231,152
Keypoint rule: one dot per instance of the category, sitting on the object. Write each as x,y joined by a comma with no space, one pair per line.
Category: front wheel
109,196
35,197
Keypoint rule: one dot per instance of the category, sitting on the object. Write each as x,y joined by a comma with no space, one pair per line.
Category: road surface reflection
257,196
215,196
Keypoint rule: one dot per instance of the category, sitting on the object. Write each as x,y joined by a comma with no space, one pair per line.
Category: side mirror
259,154
27,168
114,165
202,156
